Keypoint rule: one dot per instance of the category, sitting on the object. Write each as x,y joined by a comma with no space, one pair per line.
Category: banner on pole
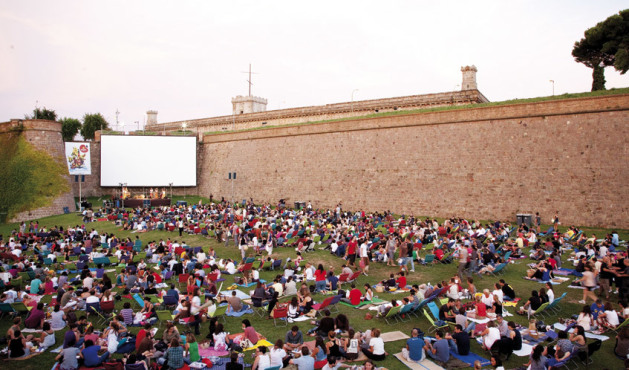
78,157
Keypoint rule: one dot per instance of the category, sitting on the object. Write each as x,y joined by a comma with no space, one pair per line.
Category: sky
186,59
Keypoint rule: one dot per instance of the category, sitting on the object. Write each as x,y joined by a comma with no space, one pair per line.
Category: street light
553,82
171,190
353,91
183,127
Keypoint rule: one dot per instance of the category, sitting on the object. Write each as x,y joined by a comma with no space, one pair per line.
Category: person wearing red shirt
354,296
350,255
320,275
141,335
401,281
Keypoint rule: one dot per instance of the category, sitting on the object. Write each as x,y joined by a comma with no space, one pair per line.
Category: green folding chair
164,316
392,314
219,313
20,307
434,327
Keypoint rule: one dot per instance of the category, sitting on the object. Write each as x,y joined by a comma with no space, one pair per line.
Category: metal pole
80,191
353,91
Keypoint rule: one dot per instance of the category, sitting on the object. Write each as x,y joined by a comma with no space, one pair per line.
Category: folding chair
319,307
164,316
107,306
342,279
354,277
220,312
280,313
392,314
429,259
404,314
183,279
539,310
434,327
333,307
6,308
257,304
169,301
20,307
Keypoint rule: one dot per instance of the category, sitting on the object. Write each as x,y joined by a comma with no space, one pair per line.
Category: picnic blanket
302,318
364,303
239,293
245,310
470,358
251,284
512,303
560,326
57,350
23,358
392,336
261,342
422,365
525,351
209,352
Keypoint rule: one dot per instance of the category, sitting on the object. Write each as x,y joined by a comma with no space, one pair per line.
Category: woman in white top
263,360
609,318
293,308
550,292
376,347
220,338
277,354
588,281
490,335
585,319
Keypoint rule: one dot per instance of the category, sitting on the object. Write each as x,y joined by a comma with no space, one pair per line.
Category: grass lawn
514,272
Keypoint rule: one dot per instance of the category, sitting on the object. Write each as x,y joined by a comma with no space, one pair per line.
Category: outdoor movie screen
148,160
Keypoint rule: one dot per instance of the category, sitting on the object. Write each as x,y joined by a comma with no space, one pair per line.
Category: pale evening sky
185,58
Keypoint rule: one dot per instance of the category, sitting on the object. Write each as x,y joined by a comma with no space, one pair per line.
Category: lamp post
171,190
353,91
183,127
553,82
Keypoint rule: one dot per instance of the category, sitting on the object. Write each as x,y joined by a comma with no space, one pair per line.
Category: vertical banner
78,157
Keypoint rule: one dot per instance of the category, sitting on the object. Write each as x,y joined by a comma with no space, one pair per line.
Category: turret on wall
469,78
248,104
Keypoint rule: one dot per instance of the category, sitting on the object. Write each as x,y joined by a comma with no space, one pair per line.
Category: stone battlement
324,112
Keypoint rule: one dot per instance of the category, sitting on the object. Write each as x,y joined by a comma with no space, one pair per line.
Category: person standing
538,222
463,254
364,256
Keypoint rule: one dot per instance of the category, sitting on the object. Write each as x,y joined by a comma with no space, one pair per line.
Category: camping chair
429,259
354,276
539,310
276,264
434,310
164,316
220,312
92,308
258,304
498,270
20,307
553,305
270,368
404,314
107,306
392,314
319,307
6,308
586,354
333,308
101,318
342,279
169,301
280,313
183,279
434,327
138,300
622,324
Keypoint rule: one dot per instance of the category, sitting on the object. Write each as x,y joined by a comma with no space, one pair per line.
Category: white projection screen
148,160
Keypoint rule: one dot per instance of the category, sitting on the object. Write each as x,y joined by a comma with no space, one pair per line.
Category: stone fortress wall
45,136
492,162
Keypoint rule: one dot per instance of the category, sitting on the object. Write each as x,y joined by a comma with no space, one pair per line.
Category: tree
91,124
604,45
42,113
69,128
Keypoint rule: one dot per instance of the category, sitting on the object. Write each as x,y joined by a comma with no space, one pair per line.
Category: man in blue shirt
438,350
414,350
35,283
597,308
173,292
90,354
305,362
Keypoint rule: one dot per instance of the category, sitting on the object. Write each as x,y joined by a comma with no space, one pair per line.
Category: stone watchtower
151,117
469,78
248,104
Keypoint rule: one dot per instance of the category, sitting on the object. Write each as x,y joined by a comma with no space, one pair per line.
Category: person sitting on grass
438,350
90,355
294,339
414,350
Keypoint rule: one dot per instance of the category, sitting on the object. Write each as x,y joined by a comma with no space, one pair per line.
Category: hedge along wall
33,179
